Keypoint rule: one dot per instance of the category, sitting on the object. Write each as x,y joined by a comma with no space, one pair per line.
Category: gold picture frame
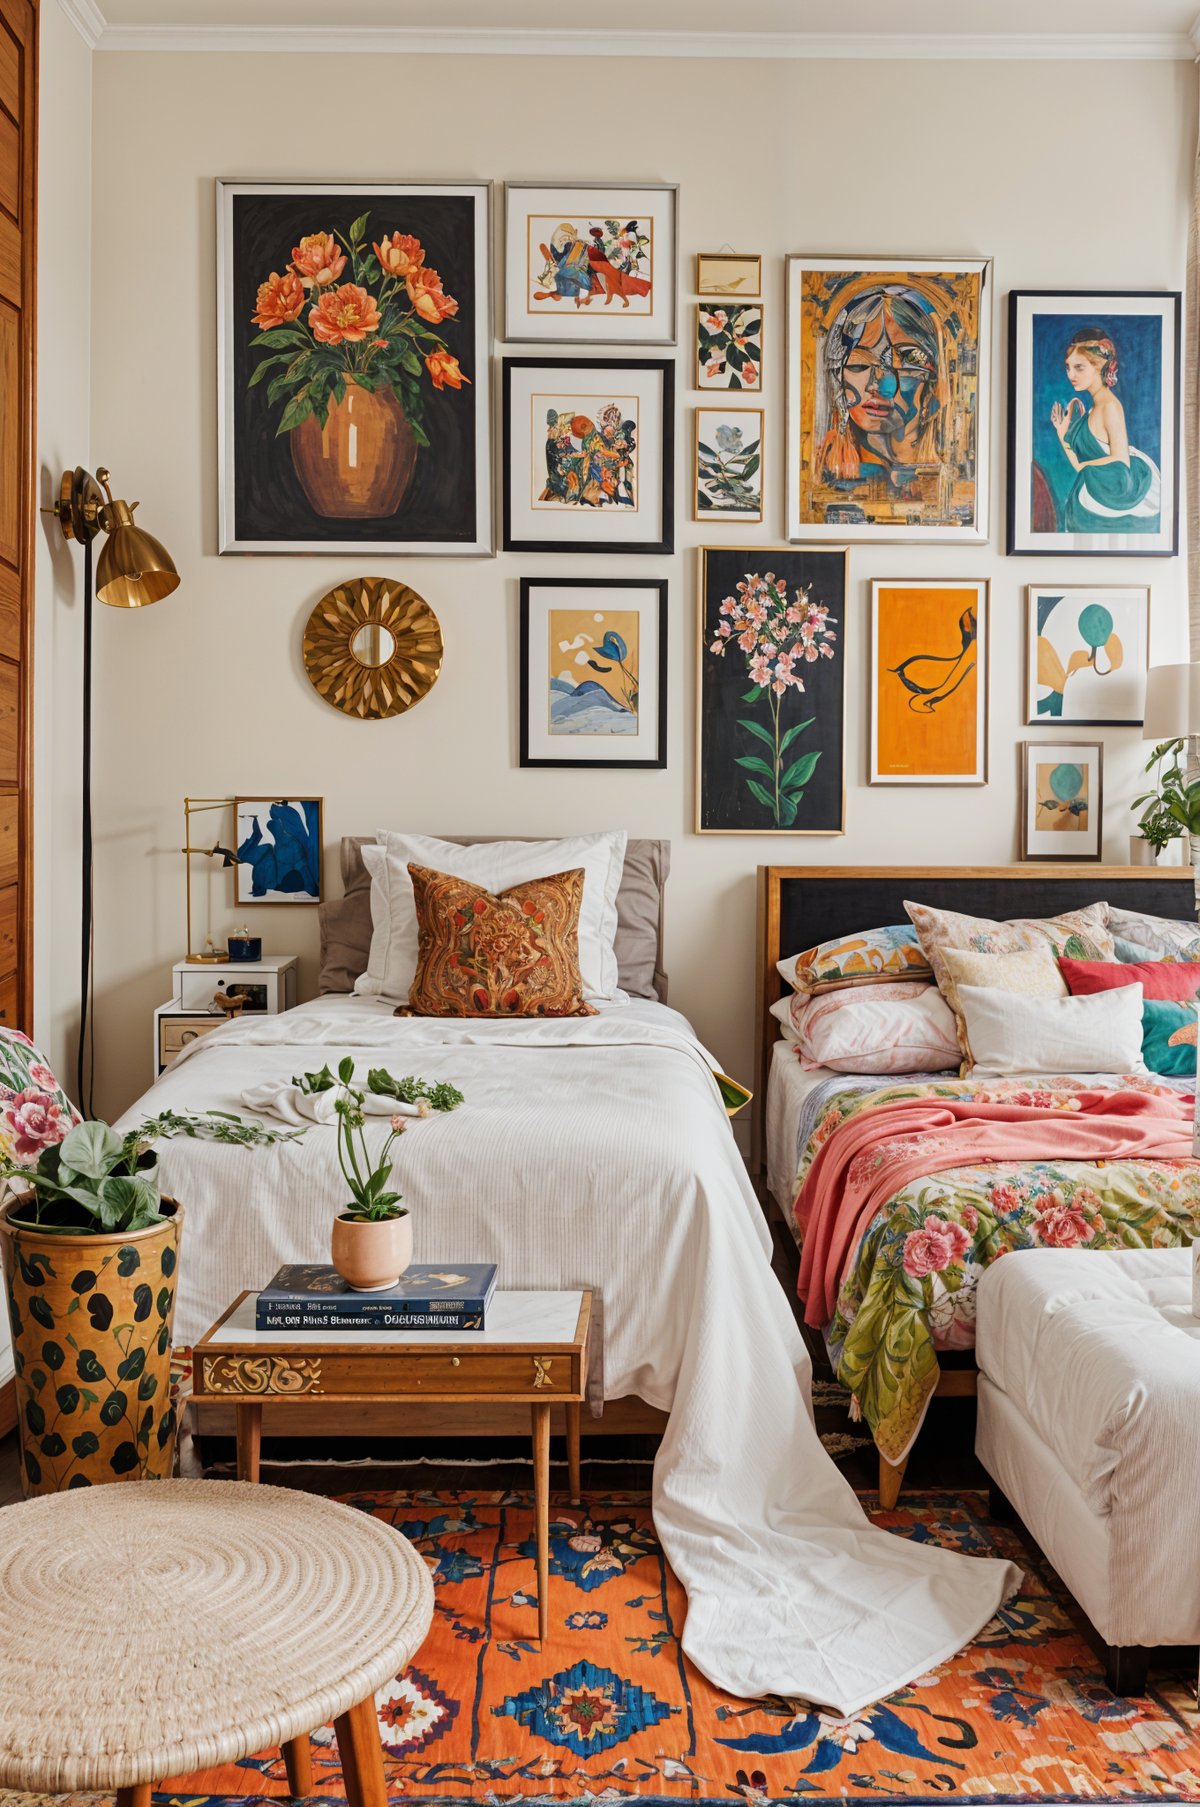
1065,800
751,358
729,273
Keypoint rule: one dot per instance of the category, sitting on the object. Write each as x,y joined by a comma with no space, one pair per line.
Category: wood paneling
9,918
10,840
10,723
10,165
10,613
10,1008
12,437
10,260
10,74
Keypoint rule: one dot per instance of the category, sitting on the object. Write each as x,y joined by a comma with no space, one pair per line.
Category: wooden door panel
10,165
10,259
10,613
12,436
10,723
10,870
9,917
10,74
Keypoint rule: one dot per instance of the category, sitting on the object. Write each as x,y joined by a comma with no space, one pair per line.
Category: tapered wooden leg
362,1755
297,1756
541,1508
891,1478
573,1480
1126,1669
249,1440
135,1797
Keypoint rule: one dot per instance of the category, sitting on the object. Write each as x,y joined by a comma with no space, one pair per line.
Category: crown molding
764,46
87,19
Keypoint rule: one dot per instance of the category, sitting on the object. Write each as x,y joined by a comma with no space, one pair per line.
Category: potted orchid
353,329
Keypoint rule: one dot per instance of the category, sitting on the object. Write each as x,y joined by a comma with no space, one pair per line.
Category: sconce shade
134,569
1172,702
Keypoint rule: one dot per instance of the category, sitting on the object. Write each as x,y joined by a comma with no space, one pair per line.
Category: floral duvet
908,1289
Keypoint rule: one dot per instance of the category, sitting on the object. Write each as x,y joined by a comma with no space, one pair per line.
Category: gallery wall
206,692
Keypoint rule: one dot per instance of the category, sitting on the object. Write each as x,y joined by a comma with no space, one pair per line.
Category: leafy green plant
370,1200
1173,806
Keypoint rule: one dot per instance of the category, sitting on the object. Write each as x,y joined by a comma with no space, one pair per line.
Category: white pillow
495,865
1010,1032
860,1030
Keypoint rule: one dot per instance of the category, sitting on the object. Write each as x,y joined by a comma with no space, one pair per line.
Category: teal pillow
1133,953
1169,1036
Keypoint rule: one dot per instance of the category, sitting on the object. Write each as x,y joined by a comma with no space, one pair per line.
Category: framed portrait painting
770,752
727,467
929,681
1062,800
1093,423
888,386
353,345
729,345
278,848
589,460
590,264
593,671
1087,651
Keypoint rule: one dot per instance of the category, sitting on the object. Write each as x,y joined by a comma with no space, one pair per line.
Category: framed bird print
929,681
590,264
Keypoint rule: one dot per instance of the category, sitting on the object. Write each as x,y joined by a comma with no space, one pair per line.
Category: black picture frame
1014,544
657,584
560,367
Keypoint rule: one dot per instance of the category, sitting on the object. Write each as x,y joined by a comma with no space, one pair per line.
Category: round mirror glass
373,644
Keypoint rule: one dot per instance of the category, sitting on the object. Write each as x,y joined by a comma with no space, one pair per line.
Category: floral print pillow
1164,937
872,957
35,1112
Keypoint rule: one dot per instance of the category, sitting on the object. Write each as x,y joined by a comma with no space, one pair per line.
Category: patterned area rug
610,1709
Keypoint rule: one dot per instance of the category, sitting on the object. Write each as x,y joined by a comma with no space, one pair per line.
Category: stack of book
427,1297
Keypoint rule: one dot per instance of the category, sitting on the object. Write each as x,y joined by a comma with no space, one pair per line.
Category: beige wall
1067,175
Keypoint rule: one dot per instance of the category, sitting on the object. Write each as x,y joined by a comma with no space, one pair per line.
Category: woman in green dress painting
1117,489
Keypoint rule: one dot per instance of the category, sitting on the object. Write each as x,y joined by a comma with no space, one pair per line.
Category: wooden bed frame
801,906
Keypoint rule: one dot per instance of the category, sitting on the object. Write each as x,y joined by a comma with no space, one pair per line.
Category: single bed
890,1312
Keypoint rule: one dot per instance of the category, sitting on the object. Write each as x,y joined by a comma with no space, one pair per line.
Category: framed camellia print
353,344
589,264
729,345
888,387
929,681
728,463
1062,800
589,454
1093,427
594,671
1087,651
770,753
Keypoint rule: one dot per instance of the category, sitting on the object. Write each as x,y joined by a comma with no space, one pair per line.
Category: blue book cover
432,1291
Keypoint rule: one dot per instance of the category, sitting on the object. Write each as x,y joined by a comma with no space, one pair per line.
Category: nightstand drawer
386,1372
175,1033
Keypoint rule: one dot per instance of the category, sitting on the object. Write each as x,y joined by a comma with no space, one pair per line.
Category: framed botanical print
1087,652
888,388
590,263
278,848
1062,800
353,343
728,464
770,749
589,461
729,345
727,273
1093,422
594,671
929,681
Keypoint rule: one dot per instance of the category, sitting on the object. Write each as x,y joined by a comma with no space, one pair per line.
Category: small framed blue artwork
278,850
593,670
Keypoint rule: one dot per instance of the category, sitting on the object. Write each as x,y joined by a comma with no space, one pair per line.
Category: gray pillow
346,921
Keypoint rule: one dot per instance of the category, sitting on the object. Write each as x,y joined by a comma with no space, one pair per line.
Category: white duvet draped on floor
594,1152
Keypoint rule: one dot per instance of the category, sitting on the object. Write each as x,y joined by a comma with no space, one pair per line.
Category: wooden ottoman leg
361,1753
541,1509
297,1757
891,1479
135,1797
1126,1667
573,1479
249,1440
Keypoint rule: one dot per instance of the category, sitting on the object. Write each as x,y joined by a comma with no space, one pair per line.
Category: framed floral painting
1062,800
593,671
1093,423
589,264
353,342
728,463
770,751
729,345
589,454
888,386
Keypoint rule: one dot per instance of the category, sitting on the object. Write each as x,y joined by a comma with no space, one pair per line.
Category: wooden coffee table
534,1349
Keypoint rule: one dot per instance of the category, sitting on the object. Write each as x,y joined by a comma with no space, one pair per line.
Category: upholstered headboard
346,921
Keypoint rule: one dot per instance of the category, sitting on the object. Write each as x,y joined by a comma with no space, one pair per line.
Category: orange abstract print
515,954
927,696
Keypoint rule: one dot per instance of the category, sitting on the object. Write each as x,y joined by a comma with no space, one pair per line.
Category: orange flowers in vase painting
355,354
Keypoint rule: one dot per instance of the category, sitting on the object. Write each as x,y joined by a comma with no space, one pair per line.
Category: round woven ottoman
160,1627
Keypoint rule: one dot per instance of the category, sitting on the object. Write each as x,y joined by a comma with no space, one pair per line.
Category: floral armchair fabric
35,1112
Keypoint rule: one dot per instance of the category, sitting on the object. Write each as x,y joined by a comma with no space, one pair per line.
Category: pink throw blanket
873,1155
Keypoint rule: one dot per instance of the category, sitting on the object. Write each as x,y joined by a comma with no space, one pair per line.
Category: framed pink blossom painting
353,342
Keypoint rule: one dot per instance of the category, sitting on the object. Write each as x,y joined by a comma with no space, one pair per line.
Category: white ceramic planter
370,1256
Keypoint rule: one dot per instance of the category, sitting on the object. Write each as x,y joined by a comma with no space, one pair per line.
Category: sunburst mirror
372,648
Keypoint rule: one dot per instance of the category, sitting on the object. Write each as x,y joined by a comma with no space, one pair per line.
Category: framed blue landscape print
278,848
594,671
1093,423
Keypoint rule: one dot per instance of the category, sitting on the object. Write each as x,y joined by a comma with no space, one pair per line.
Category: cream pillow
1012,1032
1033,973
494,866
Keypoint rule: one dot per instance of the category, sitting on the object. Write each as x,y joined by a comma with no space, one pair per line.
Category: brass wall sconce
198,806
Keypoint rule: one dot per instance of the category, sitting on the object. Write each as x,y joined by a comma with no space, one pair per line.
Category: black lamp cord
86,1061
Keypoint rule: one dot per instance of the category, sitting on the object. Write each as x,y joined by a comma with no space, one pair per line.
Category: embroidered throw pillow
515,954
1076,935
873,957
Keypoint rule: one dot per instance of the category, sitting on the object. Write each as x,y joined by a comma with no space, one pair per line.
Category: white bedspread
594,1152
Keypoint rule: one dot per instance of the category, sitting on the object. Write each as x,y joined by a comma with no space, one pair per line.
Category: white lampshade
1172,702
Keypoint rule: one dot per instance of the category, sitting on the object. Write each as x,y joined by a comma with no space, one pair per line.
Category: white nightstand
269,986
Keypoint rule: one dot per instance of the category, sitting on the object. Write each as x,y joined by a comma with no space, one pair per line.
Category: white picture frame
590,263
1087,653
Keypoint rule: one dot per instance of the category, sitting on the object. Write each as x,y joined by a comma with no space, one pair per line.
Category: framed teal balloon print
1062,800
1087,650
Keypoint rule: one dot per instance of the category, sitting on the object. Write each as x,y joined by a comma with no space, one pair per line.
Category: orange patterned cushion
515,954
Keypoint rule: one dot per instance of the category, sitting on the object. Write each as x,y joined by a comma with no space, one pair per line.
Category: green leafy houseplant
1172,808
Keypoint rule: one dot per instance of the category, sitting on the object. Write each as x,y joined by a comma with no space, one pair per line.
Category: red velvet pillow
1178,979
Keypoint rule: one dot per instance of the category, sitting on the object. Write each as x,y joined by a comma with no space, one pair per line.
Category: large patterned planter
91,1328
